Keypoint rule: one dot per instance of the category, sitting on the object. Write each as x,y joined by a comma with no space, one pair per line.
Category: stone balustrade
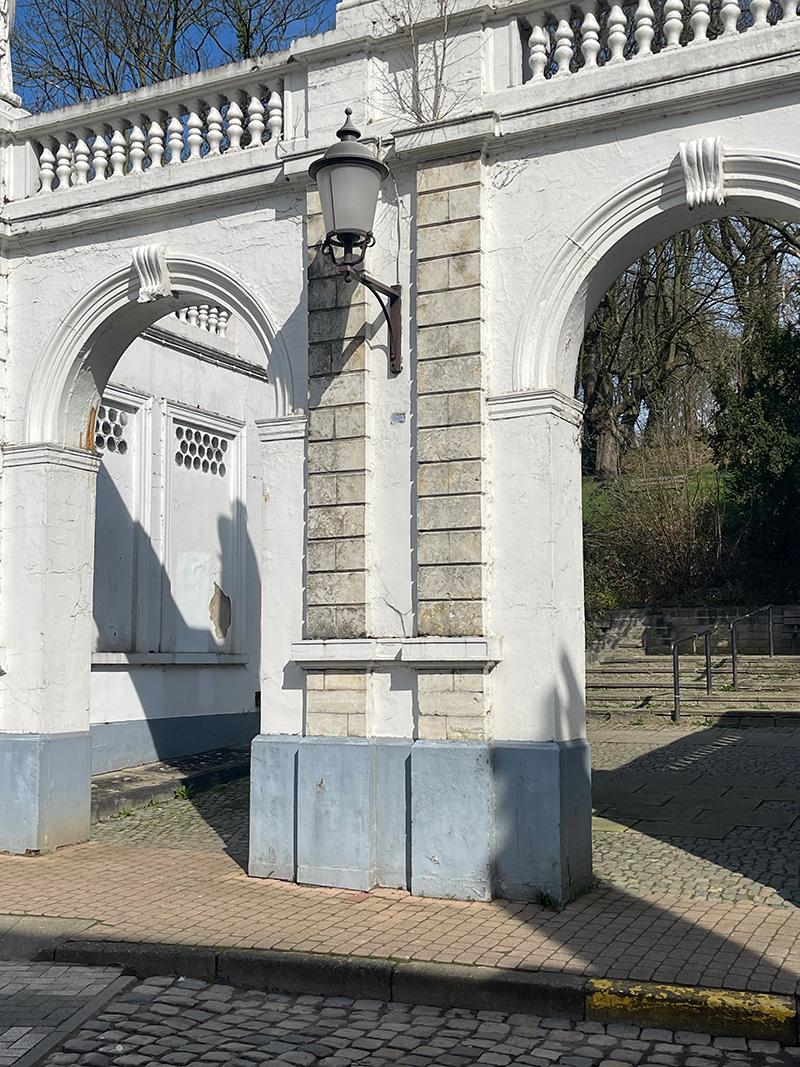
205,317
571,39
166,135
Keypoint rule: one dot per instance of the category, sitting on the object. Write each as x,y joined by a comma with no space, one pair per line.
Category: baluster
47,169
182,314
789,10
729,16
213,320
539,42
700,21
191,315
644,28
137,152
194,135
275,120
673,22
235,126
222,325
100,156
564,43
590,39
255,124
64,165
617,33
214,131
175,139
118,153
759,9
82,162
155,144
202,317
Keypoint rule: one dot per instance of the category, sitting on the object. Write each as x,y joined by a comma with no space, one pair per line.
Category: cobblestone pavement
182,1021
39,1001
712,814
215,821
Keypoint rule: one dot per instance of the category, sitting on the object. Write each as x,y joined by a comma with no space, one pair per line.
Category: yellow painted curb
711,1011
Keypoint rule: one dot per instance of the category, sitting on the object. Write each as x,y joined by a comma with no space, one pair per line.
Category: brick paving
182,1022
665,909
39,1001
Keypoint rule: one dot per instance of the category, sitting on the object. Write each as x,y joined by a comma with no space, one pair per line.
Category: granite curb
721,1012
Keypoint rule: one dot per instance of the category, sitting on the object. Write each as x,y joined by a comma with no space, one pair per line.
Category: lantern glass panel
348,195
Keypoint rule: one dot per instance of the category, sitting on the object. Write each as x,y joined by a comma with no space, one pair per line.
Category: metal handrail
734,646
676,677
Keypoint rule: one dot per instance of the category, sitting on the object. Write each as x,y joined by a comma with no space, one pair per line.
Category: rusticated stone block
449,442
336,389
450,546
336,621
340,520
450,618
453,305
450,582
348,455
456,339
452,478
449,374
450,512
336,587
451,238
431,176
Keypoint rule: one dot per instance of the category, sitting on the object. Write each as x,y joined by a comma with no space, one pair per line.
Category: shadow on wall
168,697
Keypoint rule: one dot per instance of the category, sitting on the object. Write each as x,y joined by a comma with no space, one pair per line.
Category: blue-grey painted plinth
451,819
127,744
45,790
465,819
335,788
273,806
330,810
543,819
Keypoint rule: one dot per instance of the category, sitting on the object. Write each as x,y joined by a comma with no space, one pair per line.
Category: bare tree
417,80
71,50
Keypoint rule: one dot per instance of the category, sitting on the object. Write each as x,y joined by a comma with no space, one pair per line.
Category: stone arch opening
75,366
610,238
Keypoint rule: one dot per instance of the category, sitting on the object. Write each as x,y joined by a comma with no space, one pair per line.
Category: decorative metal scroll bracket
390,308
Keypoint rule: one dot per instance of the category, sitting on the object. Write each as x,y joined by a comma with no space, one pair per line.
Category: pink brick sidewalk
143,893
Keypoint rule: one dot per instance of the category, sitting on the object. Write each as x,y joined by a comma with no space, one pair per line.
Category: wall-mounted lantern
349,178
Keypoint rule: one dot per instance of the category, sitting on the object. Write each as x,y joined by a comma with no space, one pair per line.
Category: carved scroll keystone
702,169
151,266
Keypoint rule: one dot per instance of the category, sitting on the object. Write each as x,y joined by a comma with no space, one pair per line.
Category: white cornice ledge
376,652
36,455
535,403
287,428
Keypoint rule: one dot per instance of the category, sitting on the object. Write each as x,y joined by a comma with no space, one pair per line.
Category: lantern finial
348,131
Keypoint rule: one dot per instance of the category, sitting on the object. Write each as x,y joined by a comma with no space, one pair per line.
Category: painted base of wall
462,819
44,791
127,744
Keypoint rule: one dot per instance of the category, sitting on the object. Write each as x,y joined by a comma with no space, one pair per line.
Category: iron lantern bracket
390,308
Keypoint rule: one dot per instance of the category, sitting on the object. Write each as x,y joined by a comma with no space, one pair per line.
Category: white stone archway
48,535
75,365
536,446
612,237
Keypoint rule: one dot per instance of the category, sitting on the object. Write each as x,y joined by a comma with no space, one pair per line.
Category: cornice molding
535,404
49,454
288,428
382,653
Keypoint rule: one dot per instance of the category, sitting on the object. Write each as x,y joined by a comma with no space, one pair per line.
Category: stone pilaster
337,447
449,376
